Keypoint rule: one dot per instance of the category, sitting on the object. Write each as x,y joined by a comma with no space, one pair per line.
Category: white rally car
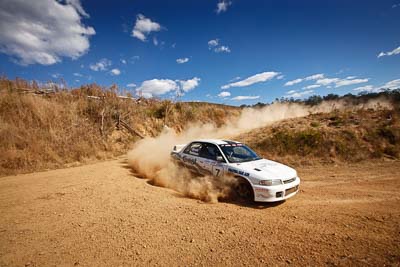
258,179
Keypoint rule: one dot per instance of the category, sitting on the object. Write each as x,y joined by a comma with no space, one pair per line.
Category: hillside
47,126
340,136
41,130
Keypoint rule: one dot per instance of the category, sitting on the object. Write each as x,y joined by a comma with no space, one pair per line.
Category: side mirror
220,159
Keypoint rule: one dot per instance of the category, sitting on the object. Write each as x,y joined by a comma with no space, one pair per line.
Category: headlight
271,182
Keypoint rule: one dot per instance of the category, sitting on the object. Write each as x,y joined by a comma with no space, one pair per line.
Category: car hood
267,169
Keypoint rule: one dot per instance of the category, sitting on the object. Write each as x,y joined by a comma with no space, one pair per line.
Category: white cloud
314,77
155,41
222,6
293,82
42,32
260,77
338,82
182,60
77,5
235,79
366,88
245,97
188,85
213,43
346,82
224,94
308,78
115,72
295,94
102,65
77,74
313,86
143,27
327,81
222,49
131,85
123,61
392,84
56,75
291,92
157,87
280,77
395,51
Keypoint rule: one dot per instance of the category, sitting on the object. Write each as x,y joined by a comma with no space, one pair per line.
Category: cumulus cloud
245,97
115,72
42,32
188,85
395,51
222,6
143,27
308,78
77,74
260,77
101,65
158,87
224,94
182,60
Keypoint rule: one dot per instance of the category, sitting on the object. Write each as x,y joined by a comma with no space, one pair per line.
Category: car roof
217,141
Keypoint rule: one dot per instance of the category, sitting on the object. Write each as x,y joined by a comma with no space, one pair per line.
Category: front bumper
276,192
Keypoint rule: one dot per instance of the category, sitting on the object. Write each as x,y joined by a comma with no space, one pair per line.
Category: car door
209,154
191,158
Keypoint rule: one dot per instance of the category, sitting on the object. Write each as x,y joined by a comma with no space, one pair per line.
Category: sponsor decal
239,172
189,160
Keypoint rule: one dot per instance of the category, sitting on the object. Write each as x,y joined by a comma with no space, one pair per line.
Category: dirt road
101,215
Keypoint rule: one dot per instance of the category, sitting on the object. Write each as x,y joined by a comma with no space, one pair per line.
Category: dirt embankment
339,136
101,215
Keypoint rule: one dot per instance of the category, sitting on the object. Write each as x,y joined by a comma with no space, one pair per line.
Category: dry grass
334,137
48,131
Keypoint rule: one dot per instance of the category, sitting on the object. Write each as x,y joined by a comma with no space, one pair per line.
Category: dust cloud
150,157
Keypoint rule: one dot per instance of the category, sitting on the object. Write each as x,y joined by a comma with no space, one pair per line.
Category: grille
290,180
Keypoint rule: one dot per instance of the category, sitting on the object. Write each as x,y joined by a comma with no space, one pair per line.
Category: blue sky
234,52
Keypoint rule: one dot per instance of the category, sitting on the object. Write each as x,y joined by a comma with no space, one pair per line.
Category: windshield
236,153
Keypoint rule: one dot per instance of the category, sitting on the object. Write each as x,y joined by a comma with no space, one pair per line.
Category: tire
244,191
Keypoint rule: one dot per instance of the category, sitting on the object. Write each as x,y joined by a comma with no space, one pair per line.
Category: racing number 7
218,171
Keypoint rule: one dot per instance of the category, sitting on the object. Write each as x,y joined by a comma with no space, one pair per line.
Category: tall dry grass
45,131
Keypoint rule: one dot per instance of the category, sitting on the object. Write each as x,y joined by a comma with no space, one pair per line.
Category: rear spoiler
178,148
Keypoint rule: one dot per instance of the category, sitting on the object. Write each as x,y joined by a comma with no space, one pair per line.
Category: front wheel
244,191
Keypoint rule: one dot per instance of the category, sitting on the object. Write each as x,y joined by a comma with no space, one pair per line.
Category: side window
193,149
209,151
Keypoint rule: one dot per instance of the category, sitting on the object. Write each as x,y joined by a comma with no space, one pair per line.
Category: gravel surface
101,215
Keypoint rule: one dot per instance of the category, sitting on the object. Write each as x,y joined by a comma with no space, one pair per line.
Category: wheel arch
246,180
